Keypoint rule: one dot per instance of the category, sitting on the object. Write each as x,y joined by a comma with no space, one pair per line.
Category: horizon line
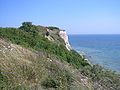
96,34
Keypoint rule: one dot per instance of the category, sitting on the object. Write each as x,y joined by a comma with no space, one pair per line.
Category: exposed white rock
64,36
49,37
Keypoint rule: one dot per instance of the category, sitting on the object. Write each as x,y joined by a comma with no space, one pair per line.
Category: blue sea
101,49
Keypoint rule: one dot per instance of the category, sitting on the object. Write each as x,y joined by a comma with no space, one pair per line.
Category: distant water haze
102,49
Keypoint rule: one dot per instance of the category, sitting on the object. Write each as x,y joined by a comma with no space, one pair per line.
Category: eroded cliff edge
59,34
64,36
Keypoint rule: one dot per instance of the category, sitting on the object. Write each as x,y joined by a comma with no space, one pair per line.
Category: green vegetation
35,70
59,78
3,80
101,76
28,36
52,28
22,69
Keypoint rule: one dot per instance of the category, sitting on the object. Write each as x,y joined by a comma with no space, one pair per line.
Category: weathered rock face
55,35
64,36
48,36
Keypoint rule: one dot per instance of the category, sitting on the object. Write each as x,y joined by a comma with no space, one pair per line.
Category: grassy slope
47,64
21,68
33,68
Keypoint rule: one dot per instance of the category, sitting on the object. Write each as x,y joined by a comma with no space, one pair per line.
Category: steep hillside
29,36
40,58
21,68
36,66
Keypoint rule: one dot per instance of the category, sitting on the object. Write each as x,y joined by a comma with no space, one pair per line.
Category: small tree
27,26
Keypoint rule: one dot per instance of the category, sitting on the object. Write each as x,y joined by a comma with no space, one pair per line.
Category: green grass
25,69
39,74
21,69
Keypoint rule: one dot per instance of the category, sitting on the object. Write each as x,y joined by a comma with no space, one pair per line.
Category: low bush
52,28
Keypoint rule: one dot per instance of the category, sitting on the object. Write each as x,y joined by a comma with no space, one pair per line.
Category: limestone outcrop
64,36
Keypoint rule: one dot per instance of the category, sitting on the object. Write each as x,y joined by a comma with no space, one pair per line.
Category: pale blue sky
75,16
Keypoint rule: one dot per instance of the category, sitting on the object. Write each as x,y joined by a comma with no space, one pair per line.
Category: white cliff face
49,37
64,36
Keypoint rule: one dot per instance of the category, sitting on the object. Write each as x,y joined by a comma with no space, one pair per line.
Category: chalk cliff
64,36
56,36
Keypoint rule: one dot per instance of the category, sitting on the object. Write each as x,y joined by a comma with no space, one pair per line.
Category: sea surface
100,49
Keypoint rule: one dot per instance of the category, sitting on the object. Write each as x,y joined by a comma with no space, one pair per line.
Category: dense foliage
28,36
52,28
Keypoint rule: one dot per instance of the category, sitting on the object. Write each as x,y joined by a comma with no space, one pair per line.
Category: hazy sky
75,16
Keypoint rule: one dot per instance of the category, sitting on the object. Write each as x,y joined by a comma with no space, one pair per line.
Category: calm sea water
101,49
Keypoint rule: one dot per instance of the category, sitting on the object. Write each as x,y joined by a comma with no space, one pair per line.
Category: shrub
50,83
52,28
3,81
20,87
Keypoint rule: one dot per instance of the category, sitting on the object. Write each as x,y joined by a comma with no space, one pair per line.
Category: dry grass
26,69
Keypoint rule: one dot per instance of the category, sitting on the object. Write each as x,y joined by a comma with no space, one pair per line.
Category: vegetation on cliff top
39,58
28,36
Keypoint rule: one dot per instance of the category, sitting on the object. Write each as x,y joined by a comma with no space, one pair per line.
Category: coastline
85,57
88,59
